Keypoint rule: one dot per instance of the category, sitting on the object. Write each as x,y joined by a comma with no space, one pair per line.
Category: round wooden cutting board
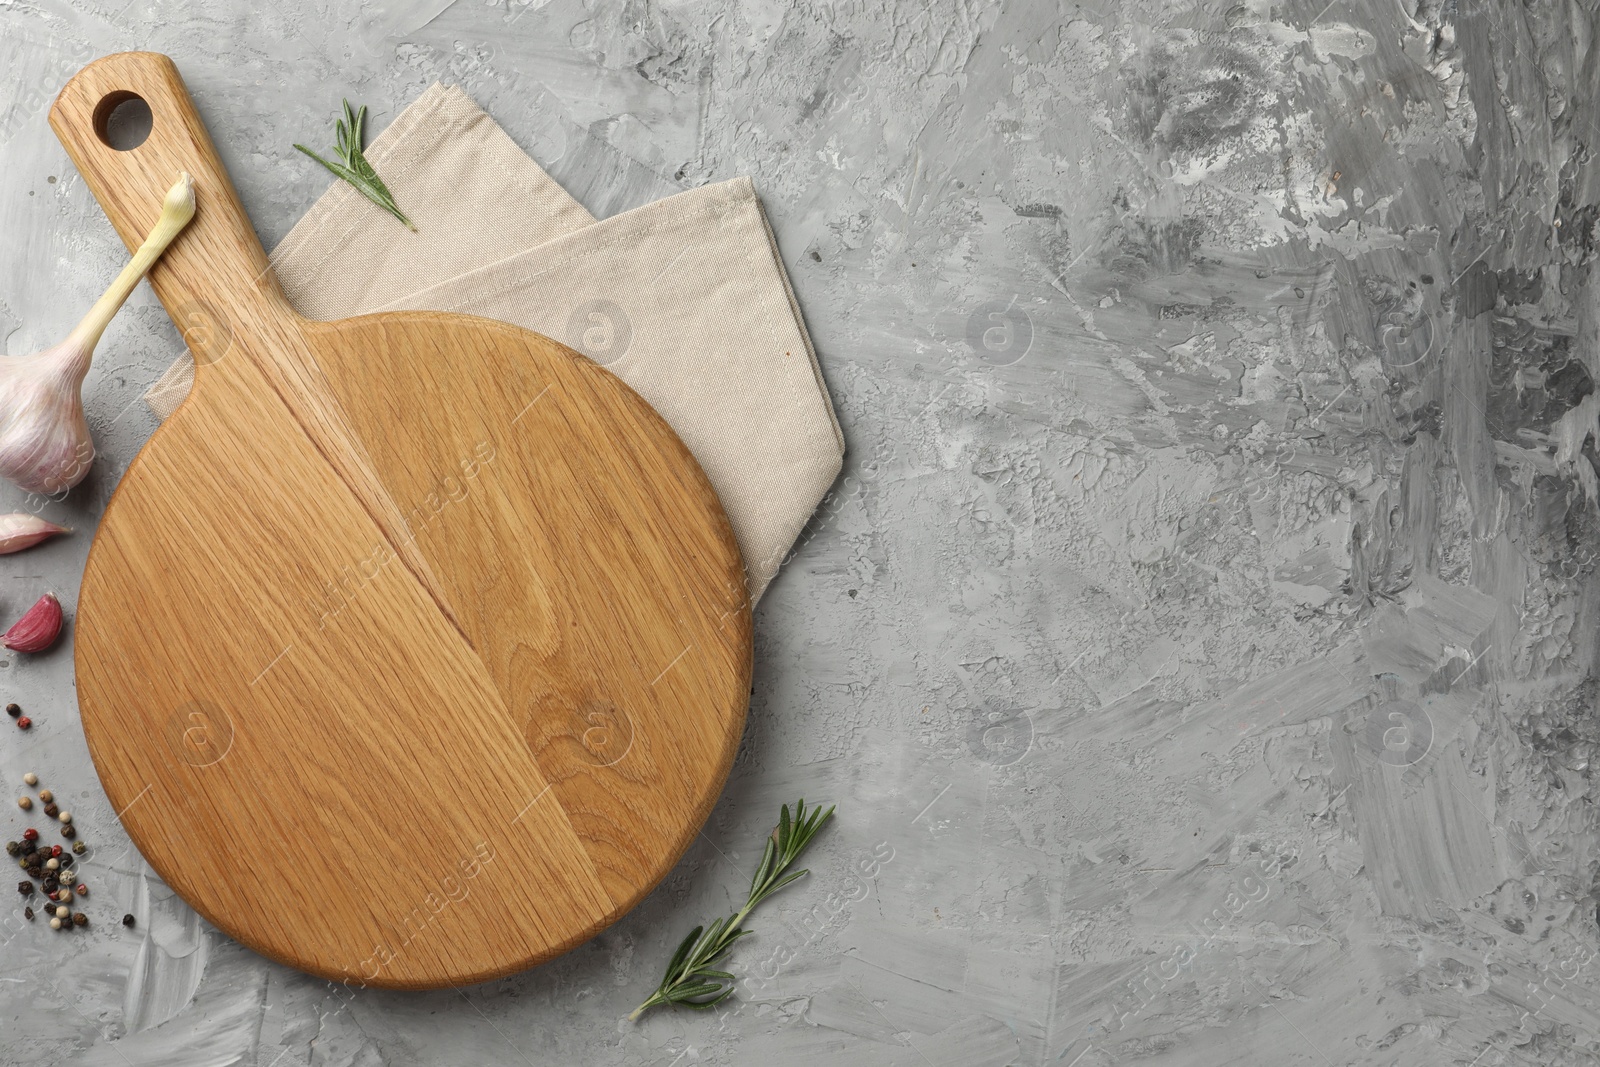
413,649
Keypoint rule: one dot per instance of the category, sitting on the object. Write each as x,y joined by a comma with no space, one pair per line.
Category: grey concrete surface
1200,644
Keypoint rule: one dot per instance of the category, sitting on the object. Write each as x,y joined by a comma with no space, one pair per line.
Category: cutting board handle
218,255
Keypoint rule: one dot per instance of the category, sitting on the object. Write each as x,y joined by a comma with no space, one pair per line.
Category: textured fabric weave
684,299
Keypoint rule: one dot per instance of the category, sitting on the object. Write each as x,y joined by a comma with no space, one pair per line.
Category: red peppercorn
55,850
24,723
30,834
82,890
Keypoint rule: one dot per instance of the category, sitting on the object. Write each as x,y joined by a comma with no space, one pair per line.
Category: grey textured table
1200,644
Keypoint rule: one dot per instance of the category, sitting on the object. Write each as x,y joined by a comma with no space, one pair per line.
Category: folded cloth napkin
684,299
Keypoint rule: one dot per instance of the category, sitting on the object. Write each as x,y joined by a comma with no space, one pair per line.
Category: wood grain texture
414,648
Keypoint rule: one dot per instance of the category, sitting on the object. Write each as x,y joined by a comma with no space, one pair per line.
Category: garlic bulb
44,440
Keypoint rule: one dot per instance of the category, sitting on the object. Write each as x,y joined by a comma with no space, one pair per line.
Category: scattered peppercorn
55,924
50,810
27,913
82,890
79,847
64,817
30,834
65,896
80,919
51,864
12,848
62,912
46,796
13,710
24,723
127,920
55,850
25,803
25,888
69,831
30,778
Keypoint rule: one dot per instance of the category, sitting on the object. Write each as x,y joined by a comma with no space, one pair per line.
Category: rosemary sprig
355,169
690,979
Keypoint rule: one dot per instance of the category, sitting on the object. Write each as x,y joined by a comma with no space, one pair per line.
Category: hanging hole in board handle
122,120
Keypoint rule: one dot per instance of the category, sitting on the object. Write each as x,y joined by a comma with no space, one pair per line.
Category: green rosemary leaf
786,881
683,949
350,137
707,1005
683,993
768,857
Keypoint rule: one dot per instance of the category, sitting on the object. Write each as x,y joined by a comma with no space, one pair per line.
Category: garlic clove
20,531
37,629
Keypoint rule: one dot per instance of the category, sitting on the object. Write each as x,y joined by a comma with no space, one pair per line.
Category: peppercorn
27,913
51,883
25,888
12,848
50,809
65,896
55,850
127,920
82,890
55,924
62,912
80,919
69,831
13,710
30,778
52,864
25,803
79,847
46,796
24,723
30,834
64,817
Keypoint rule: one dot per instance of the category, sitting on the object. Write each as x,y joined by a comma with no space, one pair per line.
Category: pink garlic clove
38,629
20,531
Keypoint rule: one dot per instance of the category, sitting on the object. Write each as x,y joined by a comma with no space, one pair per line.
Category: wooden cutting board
414,648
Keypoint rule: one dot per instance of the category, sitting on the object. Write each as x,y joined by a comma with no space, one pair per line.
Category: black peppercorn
51,810
51,883
25,888
68,831
27,913
80,848
35,872
127,920
12,848
80,919
13,710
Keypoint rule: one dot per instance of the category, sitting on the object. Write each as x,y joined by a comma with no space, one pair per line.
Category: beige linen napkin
684,299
